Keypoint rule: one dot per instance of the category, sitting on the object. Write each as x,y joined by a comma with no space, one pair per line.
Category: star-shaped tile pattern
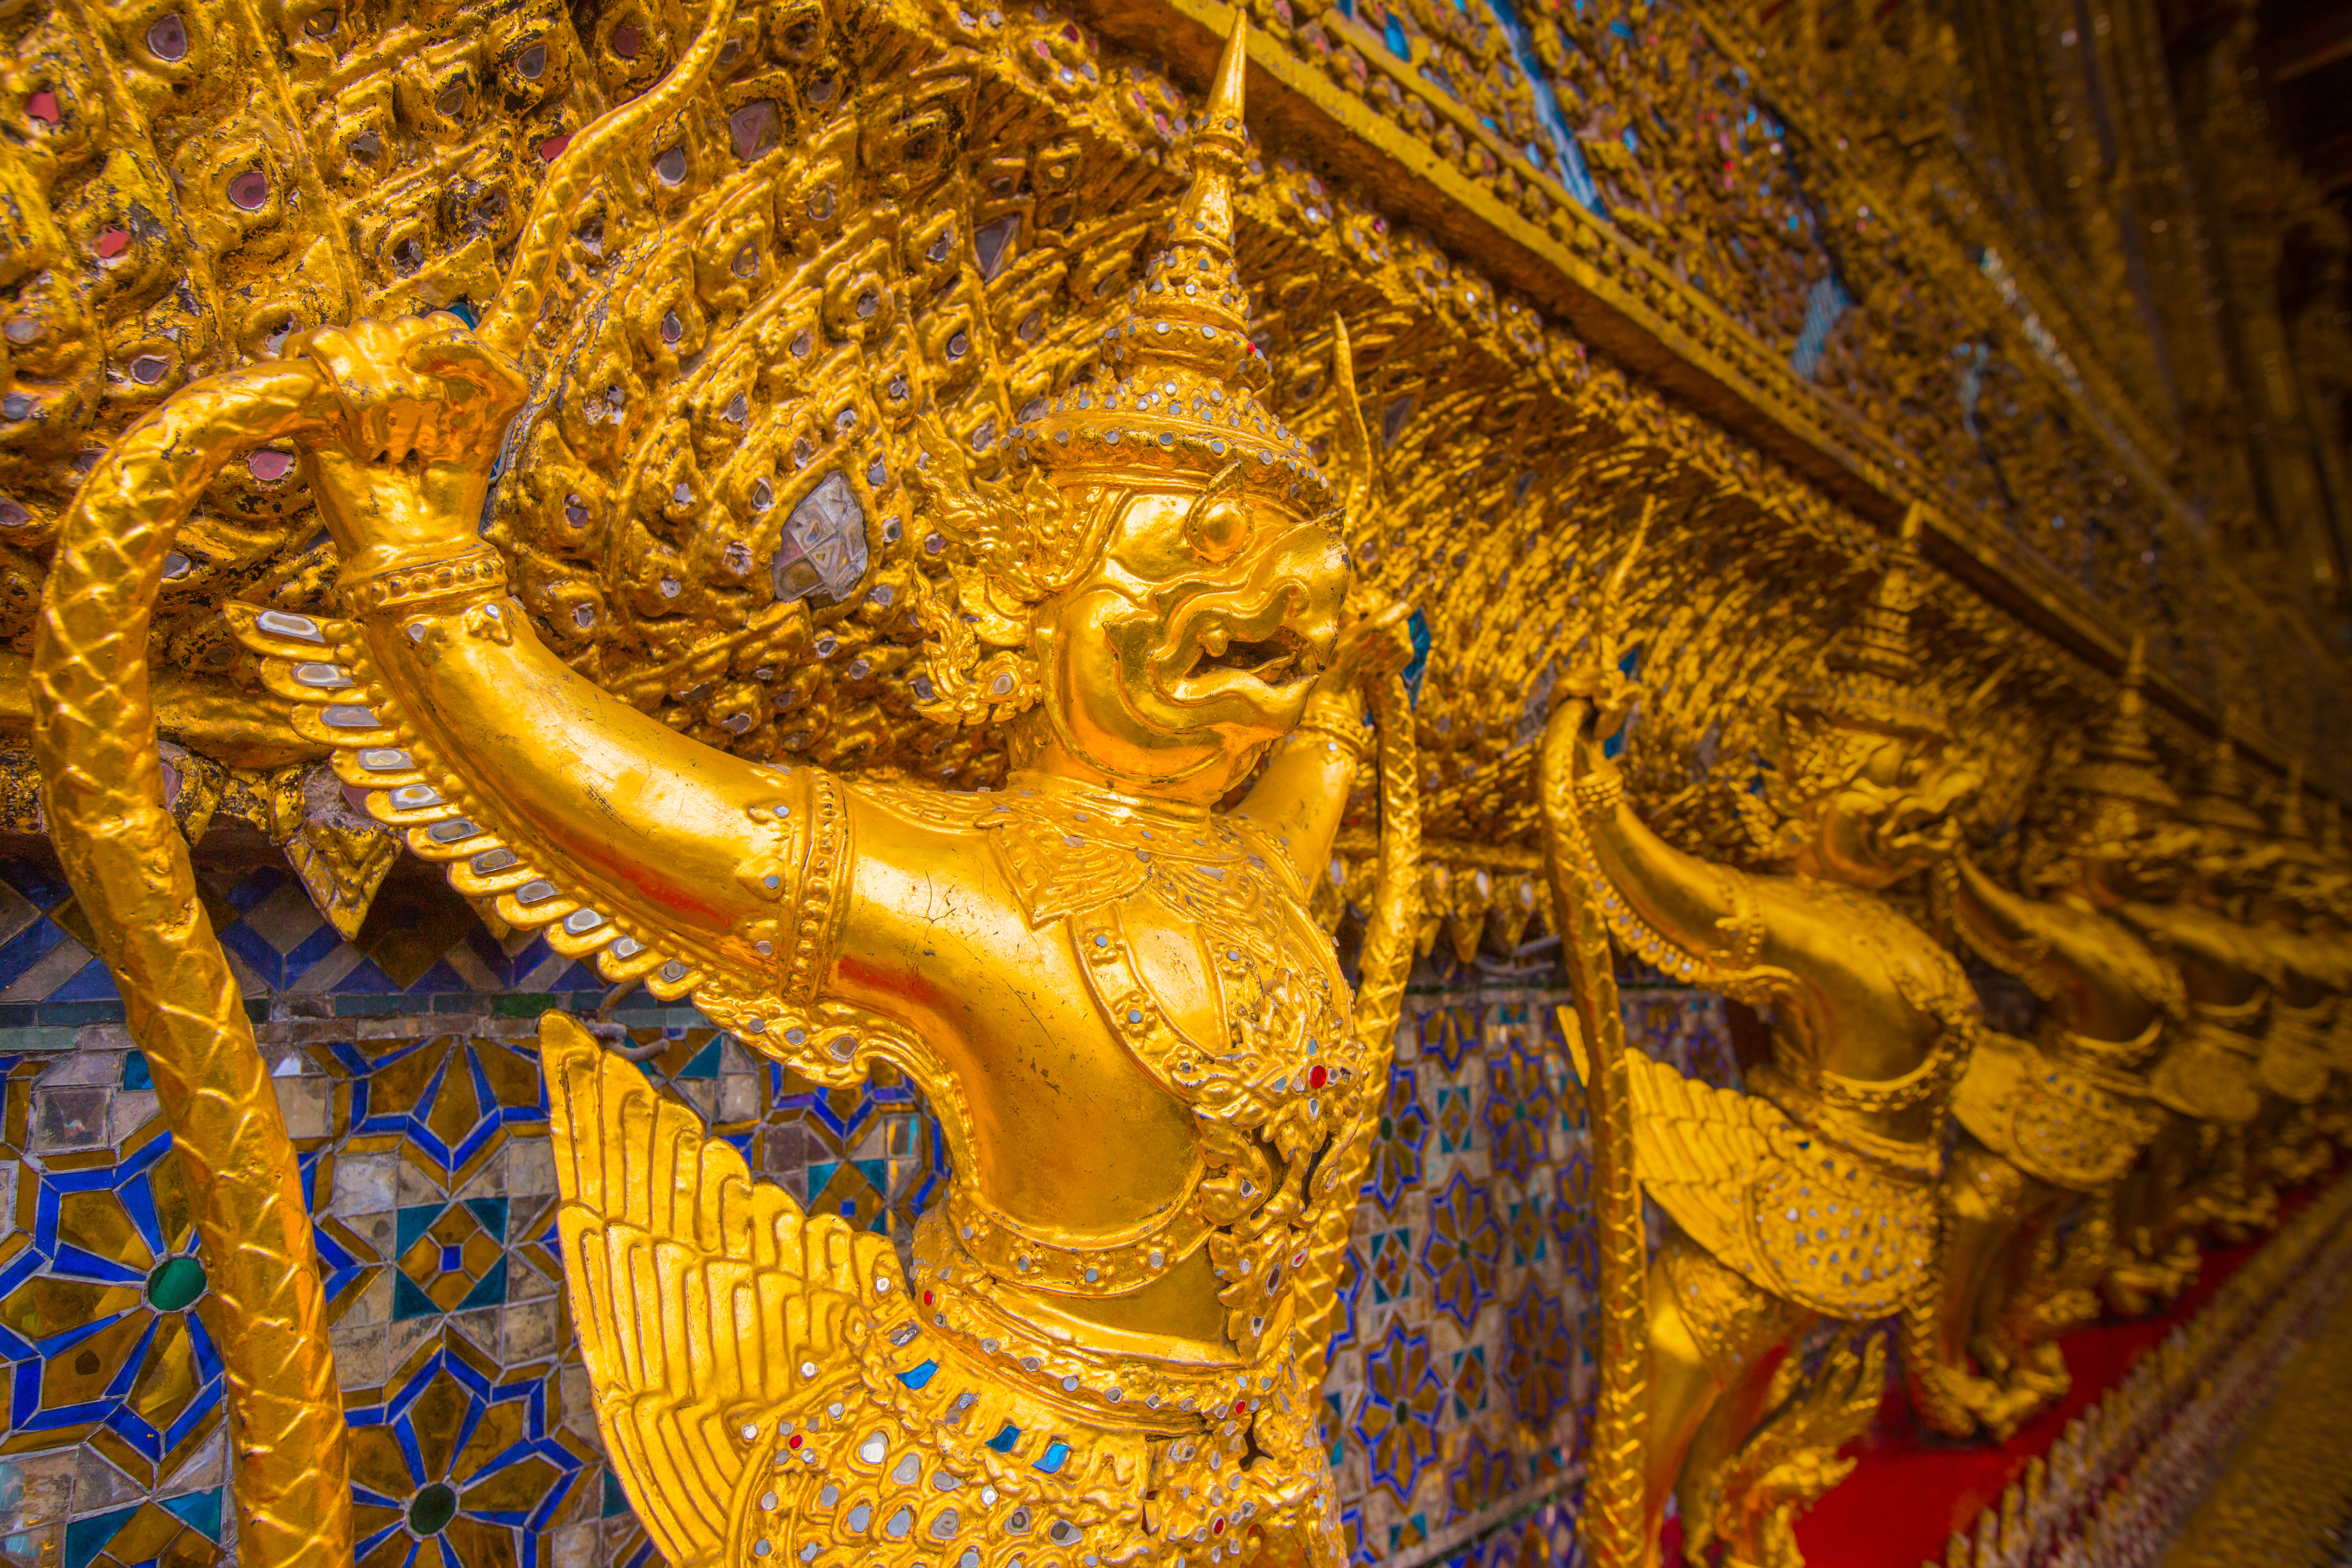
450,1101
1461,1250
1398,1420
95,1312
460,1465
451,1257
182,1532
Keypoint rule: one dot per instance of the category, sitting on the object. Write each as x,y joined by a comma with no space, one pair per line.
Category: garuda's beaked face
1895,814
2306,885
2151,865
2232,862
2110,849
1192,642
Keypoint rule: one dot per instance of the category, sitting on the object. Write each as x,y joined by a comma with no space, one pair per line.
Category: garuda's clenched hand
400,478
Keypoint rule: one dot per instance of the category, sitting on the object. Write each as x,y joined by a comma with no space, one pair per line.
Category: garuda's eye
1217,528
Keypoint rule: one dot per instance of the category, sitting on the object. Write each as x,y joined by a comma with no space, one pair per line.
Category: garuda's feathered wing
1777,1202
697,1291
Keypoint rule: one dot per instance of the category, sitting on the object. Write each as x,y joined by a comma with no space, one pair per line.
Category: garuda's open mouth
1277,658
1918,828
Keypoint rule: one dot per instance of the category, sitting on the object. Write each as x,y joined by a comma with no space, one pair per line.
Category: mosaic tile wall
406,1064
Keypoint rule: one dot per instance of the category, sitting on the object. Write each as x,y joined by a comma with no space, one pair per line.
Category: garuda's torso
2210,1072
2334,951
2296,1050
1192,994
1097,1363
1873,1017
1820,1185
2070,1107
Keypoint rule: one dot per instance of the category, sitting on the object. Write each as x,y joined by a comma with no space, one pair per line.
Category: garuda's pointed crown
1870,678
1175,393
2219,798
2117,761
2288,819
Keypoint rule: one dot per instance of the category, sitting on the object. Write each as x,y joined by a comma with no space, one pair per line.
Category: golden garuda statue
1813,1197
2292,1145
2326,928
2199,1172
1155,1086
2065,1114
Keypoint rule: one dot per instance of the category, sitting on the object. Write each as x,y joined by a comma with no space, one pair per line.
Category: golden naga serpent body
94,734
1615,1524
1385,963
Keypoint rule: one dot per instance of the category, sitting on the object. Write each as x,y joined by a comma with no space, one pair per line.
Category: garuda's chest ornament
1156,1090
1200,957
1813,1187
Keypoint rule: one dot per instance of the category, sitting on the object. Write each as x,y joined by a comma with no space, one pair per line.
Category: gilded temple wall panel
675,543
1749,287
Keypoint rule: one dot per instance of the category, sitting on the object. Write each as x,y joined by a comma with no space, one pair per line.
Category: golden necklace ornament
1157,1090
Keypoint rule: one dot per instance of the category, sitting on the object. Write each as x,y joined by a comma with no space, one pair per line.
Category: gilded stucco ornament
1156,1085
839,454
2065,1114
1814,1198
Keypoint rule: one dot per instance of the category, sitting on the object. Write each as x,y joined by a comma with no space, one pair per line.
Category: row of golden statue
1156,1089
1897,1158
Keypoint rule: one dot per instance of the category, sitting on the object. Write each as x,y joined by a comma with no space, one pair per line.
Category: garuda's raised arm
669,861
2085,967
1681,914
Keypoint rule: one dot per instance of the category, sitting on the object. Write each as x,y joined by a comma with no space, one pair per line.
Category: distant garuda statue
1810,1199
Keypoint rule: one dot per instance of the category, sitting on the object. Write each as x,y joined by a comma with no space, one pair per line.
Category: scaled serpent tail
1386,961
1952,1401
94,736
1614,1477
